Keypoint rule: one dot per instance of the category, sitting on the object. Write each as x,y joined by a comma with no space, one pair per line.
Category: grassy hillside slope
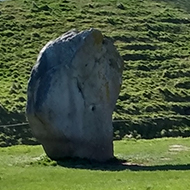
152,36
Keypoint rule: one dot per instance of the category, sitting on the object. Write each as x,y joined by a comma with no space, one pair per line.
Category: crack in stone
80,88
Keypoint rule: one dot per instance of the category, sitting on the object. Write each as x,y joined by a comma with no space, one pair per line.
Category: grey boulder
72,93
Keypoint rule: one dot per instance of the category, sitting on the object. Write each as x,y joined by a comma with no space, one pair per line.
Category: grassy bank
152,37
150,165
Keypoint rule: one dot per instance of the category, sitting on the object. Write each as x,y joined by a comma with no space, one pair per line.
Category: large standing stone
72,93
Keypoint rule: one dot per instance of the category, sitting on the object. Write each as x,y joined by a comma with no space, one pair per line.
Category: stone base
58,150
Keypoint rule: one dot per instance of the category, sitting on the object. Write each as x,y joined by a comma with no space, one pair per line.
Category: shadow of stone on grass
116,164
113,164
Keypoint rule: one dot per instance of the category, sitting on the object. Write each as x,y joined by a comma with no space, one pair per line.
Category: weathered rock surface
72,93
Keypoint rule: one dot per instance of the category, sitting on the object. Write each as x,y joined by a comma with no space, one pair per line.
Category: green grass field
150,165
153,38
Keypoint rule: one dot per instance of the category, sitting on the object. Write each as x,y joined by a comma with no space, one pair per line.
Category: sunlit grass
150,164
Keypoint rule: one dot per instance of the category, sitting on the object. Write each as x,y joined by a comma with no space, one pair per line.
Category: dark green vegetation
14,135
152,36
150,165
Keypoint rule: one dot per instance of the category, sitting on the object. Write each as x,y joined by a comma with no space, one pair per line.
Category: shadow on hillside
7,117
14,129
116,165
15,135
